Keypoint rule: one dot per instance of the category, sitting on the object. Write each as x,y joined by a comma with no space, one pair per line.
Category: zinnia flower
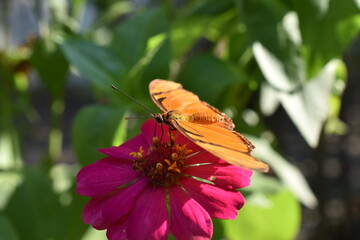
156,184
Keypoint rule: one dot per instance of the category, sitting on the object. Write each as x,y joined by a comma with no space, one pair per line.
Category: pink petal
92,213
149,220
123,201
123,151
103,211
217,202
103,176
123,154
224,176
189,220
117,231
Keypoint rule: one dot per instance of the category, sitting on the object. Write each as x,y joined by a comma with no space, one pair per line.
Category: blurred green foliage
232,53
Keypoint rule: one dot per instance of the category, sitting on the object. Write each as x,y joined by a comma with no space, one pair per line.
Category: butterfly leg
162,132
172,136
155,129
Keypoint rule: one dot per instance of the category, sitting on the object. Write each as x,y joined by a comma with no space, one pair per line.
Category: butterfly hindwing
227,145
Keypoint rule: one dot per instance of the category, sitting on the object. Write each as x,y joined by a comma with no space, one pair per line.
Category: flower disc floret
163,163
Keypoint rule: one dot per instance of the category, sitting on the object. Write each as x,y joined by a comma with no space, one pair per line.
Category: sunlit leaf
308,107
93,234
9,150
357,2
155,63
269,100
8,183
274,69
306,103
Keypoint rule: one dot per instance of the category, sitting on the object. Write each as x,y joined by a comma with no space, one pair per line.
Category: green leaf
262,19
34,209
210,7
72,224
97,127
288,173
131,36
51,65
6,229
322,31
8,183
155,63
278,219
185,33
63,182
159,66
98,64
208,77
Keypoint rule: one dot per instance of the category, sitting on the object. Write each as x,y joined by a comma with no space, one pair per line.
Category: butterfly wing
226,144
168,96
216,137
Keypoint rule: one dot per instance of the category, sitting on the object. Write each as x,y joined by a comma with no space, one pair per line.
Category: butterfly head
158,117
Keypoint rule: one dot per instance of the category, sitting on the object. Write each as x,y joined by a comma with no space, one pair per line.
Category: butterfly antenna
132,99
136,117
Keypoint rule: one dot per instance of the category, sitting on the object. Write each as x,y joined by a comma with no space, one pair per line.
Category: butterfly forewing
170,96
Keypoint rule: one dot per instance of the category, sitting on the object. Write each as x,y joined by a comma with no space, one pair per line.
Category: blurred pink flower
151,186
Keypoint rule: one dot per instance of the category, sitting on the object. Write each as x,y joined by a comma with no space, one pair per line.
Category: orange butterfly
203,124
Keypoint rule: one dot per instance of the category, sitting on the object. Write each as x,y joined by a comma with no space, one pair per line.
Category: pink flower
151,186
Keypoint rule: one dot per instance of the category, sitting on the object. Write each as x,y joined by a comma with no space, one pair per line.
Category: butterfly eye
158,118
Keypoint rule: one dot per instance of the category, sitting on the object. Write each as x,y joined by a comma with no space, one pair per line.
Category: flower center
163,163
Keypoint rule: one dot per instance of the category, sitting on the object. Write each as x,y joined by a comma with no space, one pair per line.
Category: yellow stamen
174,156
174,168
167,161
139,154
159,167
